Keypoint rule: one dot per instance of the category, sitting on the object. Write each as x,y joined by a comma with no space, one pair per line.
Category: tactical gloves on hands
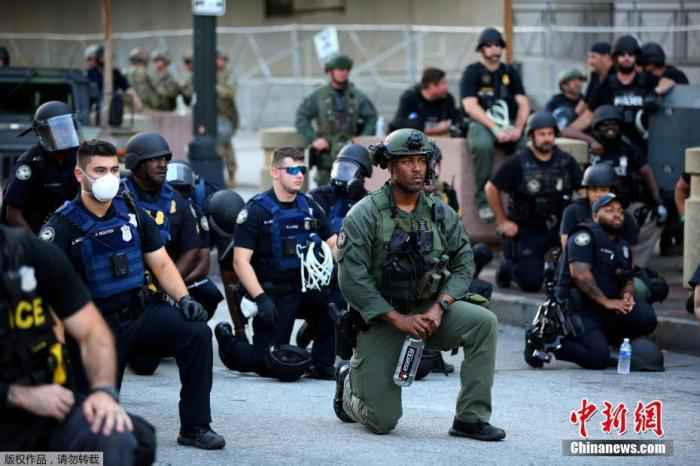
191,309
267,311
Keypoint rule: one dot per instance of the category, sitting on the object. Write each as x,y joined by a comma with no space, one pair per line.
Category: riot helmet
338,62
600,175
55,127
287,362
350,169
401,143
540,120
646,356
222,210
490,36
652,54
180,176
146,146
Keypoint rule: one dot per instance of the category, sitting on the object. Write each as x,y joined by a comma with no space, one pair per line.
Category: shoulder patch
47,233
582,238
23,172
242,216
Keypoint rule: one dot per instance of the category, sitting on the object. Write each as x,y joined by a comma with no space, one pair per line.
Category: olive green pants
481,143
372,398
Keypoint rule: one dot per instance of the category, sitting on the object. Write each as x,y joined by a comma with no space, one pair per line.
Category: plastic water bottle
380,129
625,357
408,362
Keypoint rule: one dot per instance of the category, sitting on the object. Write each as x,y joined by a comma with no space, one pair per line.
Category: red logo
647,417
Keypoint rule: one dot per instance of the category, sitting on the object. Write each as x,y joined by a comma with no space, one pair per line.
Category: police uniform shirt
486,86
183,229
40,183
579,212
67,237
253,231
509,177
415,111
62,290
675,75
201,225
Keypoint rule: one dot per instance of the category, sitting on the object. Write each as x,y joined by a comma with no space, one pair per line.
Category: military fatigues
340,115
539,191
611,266
140,82
375,281
40,183
30,353
227,122
187,88
166,91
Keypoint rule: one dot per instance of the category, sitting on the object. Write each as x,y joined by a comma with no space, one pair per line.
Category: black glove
267,311
191,309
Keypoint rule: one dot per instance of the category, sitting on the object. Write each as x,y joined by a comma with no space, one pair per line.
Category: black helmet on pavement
146,146
540,120
646,356
627,44
606,113
401,143
180,174
287,362
600,175
55,126
490,36
652,54
223,208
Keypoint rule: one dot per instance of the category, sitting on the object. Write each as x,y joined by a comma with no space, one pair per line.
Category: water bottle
380,129
625,357
409,360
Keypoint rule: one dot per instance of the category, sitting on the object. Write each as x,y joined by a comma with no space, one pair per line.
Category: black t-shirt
579,212
40,183
416,112
65,236
612,92
183,223
591,89
675,75
119,81
490,86
563,109
62,289
253,231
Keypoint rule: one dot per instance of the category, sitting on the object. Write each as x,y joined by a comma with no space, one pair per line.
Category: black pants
160,332
238,354
524,255
207,294
603,328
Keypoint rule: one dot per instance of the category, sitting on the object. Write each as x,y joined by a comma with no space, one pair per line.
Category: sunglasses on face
296,170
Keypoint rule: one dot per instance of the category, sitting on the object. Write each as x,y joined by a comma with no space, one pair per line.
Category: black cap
603,48
604,200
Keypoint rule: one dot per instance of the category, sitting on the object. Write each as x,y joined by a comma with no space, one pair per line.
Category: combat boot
201,437
340,375
479,430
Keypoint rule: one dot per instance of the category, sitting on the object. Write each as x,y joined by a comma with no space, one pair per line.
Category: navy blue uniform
108,253
272,230
579,212
539,191
40,183
611,265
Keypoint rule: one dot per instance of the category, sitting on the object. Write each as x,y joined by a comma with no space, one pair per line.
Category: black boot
201,437
477,430
340,376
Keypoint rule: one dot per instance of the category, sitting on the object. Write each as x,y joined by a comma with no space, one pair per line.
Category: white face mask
104,188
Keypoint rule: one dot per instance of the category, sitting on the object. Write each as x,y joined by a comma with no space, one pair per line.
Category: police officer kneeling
110,242
405,264
596,282
38,409
273,229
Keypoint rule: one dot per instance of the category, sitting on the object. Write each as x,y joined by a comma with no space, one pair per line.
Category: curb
672,333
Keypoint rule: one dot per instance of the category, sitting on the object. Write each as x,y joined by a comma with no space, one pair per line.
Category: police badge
126,233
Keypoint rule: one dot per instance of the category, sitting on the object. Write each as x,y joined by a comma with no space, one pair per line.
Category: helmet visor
179,174
58,133
344,171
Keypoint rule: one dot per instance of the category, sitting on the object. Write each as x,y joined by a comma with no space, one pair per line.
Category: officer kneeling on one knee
38,410
280,236
540,181
405,264
596,283
111,242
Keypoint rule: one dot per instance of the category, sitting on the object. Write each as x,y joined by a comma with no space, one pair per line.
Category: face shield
58,133
180,174
344,171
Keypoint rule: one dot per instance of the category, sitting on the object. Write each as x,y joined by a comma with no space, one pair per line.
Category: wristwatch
444,303
109,390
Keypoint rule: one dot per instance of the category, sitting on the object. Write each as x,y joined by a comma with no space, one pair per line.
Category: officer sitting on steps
273,230
540,182
595,282
110,242
405,264
38,410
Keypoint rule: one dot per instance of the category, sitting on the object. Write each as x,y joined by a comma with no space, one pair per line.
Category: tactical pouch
346,329
120,264
289,247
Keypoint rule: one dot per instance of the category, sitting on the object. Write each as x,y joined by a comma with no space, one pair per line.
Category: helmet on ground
646,356
55,126
287,362
146,146
606,113
600,175
627,44
338,62
490,36
540,120
652,54
401,143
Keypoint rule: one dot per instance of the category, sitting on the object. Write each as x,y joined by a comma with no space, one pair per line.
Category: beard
610,228
625,69
544,148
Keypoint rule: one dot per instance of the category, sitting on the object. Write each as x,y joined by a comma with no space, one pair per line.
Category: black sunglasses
294,170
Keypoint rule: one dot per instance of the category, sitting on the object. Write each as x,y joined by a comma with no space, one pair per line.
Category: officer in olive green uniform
187,85
167,89
137,75
340,111
227,120
405,264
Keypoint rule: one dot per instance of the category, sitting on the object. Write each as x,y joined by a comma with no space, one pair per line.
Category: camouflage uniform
140,82
167,90
227,122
